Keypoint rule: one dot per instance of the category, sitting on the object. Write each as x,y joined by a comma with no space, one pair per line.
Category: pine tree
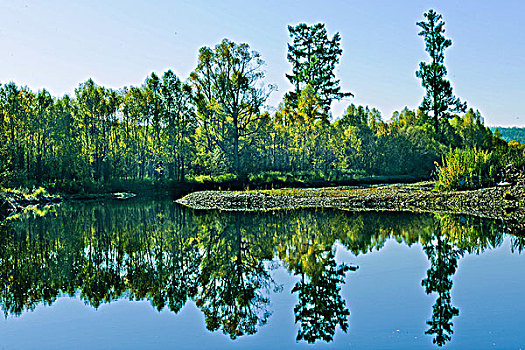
313,56
439,98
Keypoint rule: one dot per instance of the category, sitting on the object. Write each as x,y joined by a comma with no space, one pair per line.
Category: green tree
90,113
67,162
230,96
16,103
313,56
43,128
179,118
135,131
472,131
309,125
439,99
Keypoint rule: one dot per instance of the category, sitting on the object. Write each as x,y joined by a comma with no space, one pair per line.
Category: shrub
466,169
515,154
215,178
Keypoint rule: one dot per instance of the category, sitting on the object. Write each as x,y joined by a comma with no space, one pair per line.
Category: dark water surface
154,275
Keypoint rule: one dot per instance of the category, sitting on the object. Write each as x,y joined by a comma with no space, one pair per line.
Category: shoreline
13,201
16,201
501,202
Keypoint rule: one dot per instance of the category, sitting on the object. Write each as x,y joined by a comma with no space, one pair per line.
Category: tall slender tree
179,118
439,99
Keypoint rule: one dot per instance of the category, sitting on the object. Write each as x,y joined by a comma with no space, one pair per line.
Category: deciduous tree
228,83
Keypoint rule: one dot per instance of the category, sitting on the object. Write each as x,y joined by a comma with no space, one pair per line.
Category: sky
58,44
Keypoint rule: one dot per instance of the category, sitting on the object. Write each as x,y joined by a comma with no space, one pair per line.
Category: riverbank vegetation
215,127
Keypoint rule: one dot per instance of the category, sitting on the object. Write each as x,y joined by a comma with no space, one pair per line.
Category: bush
515,154
38,193
466,169
214,178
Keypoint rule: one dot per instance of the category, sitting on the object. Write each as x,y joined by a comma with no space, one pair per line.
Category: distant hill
509,134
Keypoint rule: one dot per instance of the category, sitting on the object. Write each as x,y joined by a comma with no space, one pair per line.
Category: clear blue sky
57,44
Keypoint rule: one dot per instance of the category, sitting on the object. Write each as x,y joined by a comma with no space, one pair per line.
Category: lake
151,274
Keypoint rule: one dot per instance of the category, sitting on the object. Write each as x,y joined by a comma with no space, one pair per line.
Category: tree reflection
451,237
233,278
307,249
443,257
321,308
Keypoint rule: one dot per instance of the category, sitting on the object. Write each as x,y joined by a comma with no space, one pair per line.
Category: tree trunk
236,144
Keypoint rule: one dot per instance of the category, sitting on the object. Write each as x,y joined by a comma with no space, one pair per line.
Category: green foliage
38,193
21,194
4,169
514,154
268,177
470,129
313,56
215,124
100,135
228,96
214,178
466,169
439,99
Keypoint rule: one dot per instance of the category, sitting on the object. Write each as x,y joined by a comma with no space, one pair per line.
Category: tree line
217,122
510,134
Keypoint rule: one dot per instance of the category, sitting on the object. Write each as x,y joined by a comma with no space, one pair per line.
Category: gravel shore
500,202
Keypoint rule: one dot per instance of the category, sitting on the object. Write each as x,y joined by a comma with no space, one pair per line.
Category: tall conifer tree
313,56
439,99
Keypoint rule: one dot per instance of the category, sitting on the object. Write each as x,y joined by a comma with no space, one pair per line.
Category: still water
155,275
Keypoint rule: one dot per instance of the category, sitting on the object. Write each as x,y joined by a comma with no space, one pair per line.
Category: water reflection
223,261
233,277
443,257
321,308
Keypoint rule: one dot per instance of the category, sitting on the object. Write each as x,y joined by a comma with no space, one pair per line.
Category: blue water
387,303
